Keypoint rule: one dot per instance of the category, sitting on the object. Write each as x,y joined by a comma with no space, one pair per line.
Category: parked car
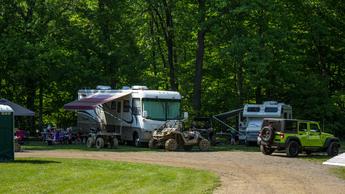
295,136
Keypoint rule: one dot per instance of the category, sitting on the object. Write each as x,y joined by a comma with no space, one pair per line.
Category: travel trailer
131,113
253,114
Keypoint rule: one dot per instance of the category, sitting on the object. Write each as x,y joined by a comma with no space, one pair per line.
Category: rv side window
136,106
285,115
113,105
271,109
290,126
126,106
253,109
118,107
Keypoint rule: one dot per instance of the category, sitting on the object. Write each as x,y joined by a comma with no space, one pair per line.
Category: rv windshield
162,110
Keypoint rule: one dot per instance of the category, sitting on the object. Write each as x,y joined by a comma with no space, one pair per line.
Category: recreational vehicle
253,115
132,113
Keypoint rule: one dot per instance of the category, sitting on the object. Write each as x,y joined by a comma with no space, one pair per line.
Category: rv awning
18,110
93,101
228,114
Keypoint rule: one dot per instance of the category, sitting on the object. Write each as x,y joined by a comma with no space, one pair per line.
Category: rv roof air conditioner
101,87
139,88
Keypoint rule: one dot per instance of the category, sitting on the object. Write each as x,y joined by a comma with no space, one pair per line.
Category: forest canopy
218,54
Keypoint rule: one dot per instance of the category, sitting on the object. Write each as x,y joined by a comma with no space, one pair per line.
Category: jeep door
314,135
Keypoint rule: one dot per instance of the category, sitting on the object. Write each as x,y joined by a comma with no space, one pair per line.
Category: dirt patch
240,172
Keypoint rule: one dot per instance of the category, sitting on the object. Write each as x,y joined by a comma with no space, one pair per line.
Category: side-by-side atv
170,136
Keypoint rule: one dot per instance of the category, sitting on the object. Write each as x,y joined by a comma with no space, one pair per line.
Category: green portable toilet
6,133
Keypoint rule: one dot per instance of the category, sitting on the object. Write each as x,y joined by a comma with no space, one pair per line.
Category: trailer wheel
90,142
115,143
170,145
99,143
204,145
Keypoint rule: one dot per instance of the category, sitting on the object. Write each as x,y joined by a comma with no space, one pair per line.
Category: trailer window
253,109
271,109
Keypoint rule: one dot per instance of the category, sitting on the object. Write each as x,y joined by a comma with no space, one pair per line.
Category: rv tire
90,142
115,143
99,143
136,140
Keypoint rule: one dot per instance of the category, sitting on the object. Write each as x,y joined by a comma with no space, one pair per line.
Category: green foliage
38,175
290,51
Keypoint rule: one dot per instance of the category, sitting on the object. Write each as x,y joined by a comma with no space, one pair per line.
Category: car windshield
162,110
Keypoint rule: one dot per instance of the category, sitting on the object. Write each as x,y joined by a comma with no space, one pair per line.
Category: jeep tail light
282,136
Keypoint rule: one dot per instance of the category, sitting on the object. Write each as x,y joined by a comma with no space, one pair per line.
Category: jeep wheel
267,134
333,149
171,145
90,142
99,143
266,150
152,144
187,147
292,149
204,145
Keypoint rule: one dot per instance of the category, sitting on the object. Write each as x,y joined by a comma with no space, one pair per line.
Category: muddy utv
170,136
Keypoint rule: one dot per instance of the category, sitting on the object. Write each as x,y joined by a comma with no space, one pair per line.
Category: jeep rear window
276,125
271,109
290,126
253,109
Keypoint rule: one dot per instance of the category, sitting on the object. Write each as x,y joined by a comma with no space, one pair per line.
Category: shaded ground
240,172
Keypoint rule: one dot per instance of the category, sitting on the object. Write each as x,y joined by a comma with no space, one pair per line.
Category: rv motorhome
132,113
253,115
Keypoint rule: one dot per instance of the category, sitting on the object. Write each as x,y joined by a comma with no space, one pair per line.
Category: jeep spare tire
267,134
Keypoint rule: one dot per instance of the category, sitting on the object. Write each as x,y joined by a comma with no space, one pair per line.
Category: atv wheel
204,145
90,142
292,149
152,144
266,150
115,143
333,149
187,147
171,145
99,143
267,134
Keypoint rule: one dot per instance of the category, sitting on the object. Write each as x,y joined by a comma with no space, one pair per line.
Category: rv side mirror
185,115
145,114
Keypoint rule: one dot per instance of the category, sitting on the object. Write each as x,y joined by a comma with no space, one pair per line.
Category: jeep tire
267,134
333,149
266,150
292,149
170,145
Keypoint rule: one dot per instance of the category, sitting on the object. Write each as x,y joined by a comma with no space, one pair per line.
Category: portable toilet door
6,133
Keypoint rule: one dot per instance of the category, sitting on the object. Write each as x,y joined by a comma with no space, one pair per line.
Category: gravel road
240,172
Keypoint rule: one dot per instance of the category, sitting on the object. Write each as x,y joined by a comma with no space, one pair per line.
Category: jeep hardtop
295,136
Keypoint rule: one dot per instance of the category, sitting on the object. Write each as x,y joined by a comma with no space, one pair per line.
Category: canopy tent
93,101
337,160
18,110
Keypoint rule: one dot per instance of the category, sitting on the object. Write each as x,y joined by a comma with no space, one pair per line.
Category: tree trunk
40,118
199,58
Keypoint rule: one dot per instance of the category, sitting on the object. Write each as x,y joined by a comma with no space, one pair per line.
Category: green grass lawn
339,171
28,175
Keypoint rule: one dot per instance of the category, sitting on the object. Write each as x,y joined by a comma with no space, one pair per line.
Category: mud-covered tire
153,144
187,147
333,149
292,149
99,143
115,143
170,145
90,142
266,150
267,134
204,145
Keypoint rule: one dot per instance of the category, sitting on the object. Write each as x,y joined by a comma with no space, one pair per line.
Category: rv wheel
90,142
136,140
115,143
204,145
171,145
99,143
